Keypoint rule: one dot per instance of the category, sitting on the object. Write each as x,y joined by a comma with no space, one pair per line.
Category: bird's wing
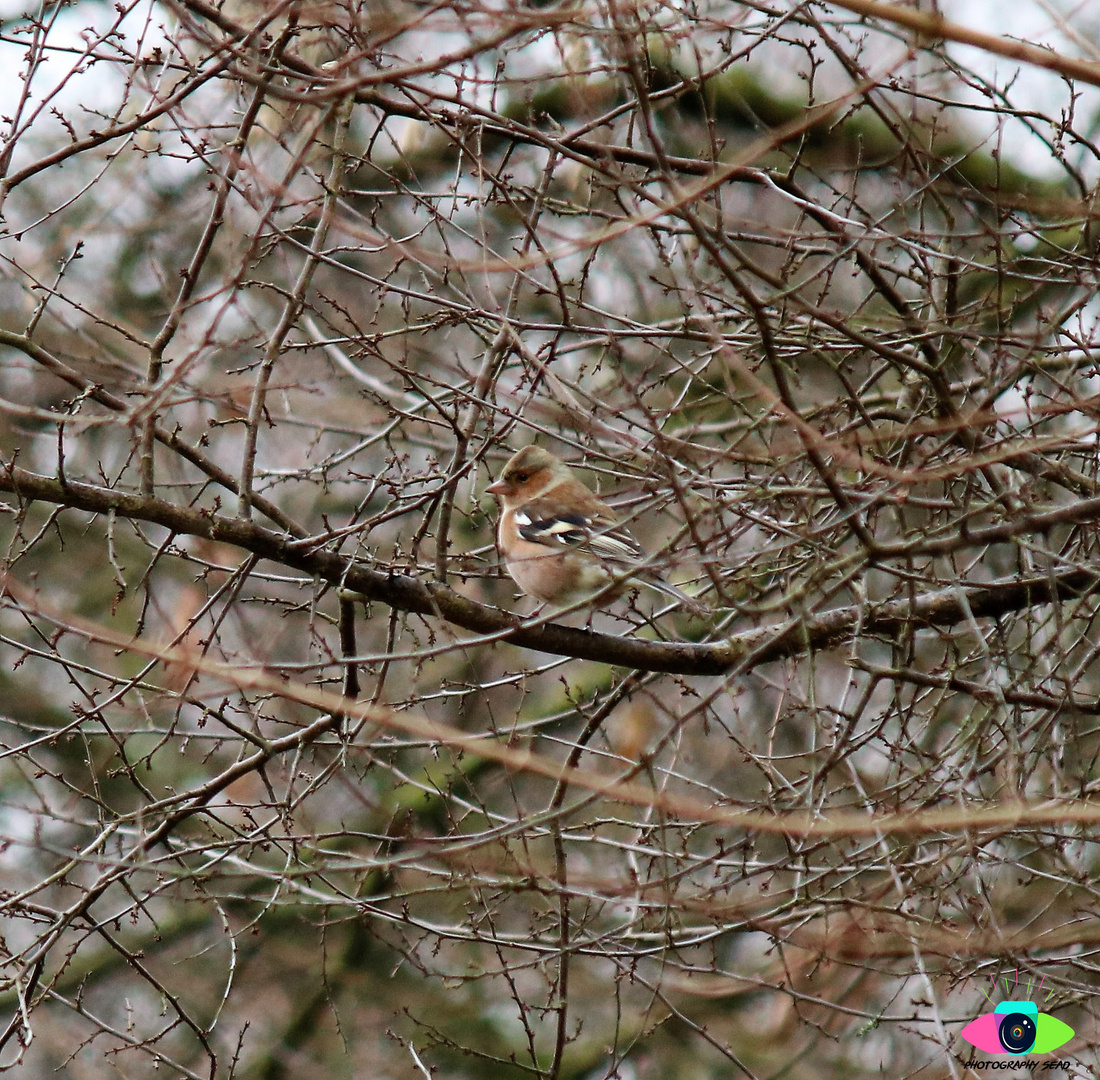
596,533
543,521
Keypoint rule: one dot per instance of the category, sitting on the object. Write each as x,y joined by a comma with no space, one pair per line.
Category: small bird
561,543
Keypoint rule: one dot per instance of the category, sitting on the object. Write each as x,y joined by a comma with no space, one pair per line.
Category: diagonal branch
732,656
930,26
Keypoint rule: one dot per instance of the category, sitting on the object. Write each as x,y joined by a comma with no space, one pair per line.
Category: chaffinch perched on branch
561,543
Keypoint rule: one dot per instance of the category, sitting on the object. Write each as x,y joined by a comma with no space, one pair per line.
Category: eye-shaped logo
1017,1027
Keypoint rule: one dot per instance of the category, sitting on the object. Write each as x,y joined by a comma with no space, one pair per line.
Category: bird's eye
522,478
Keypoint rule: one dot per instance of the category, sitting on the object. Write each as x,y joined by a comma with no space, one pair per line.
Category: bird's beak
499,487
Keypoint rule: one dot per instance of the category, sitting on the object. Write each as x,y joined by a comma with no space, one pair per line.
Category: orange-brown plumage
562,544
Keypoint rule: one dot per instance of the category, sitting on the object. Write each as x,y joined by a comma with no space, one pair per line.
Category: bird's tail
694,605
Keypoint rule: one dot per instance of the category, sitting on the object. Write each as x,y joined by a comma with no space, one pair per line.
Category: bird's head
529,472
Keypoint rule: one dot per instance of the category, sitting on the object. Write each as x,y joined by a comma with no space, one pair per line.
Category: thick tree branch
736,654
169,439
